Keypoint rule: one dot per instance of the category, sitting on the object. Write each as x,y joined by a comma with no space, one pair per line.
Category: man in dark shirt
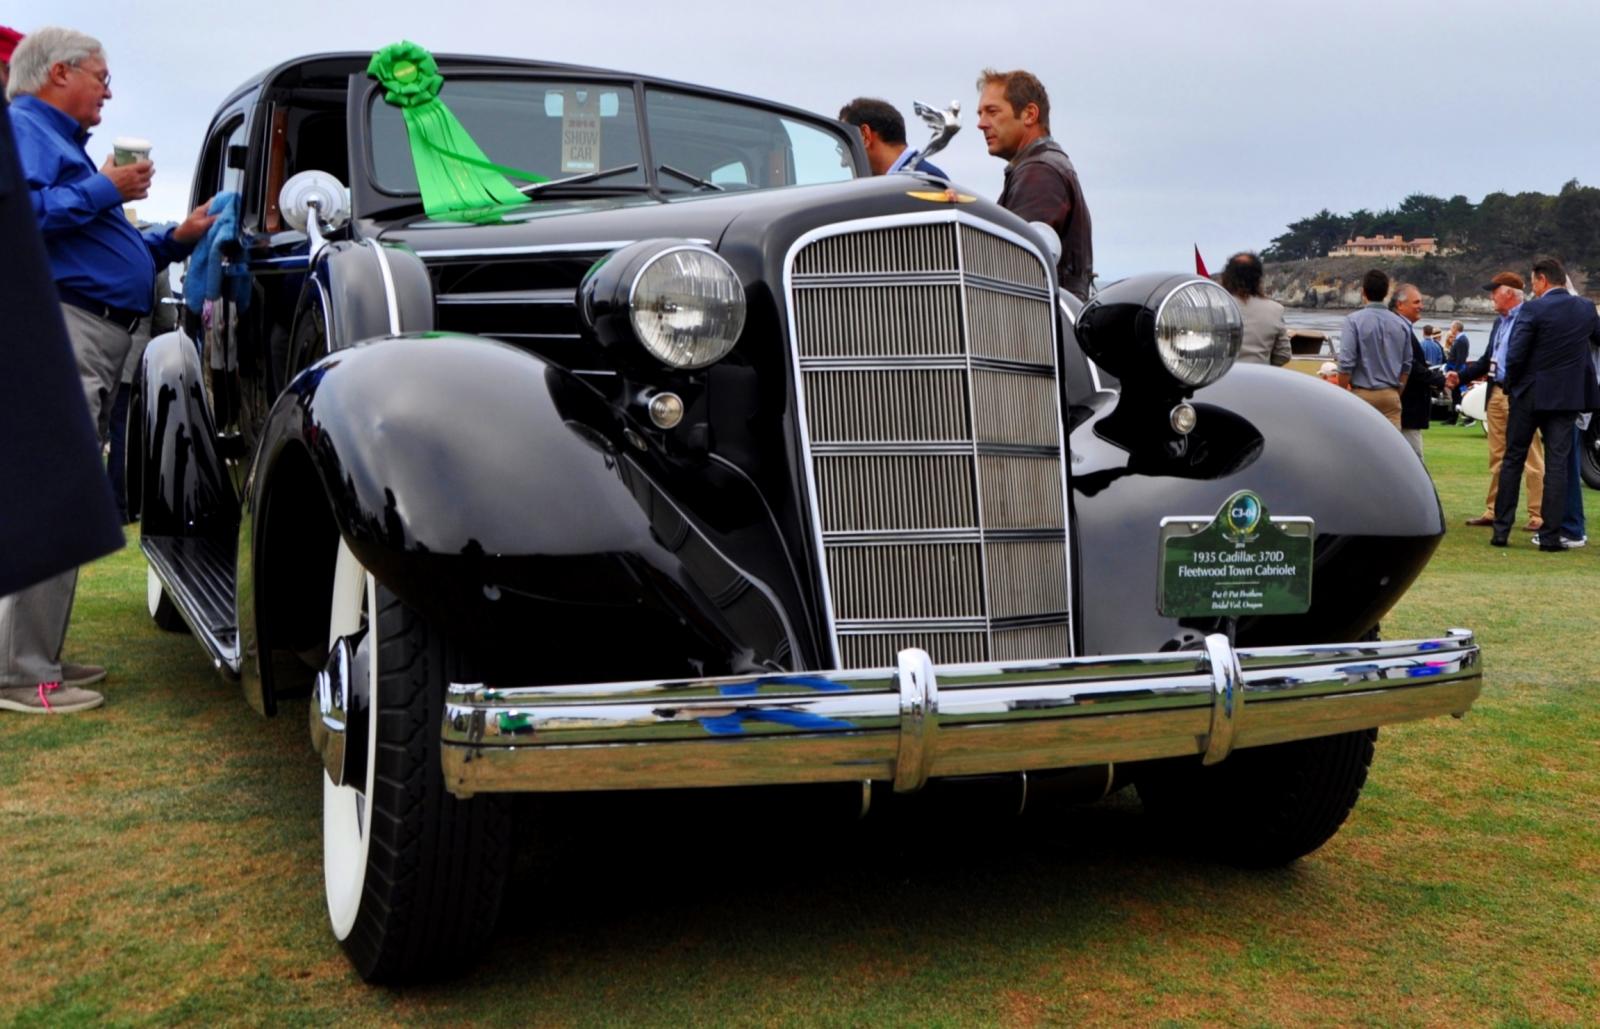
103,268
1041,184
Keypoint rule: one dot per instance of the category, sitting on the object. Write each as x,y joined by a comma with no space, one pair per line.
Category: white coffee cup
129,150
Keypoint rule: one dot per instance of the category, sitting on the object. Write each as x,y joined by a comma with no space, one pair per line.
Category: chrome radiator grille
927,374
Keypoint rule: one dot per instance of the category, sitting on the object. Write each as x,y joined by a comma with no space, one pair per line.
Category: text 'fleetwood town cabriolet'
556,429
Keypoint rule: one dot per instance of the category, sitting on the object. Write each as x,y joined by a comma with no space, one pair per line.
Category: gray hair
42,49
1457,326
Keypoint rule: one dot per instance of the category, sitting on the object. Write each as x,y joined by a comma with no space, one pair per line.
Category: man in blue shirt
103,268
1375,350
1432,351
883,134
1505,292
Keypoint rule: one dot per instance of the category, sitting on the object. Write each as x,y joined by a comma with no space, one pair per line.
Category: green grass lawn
162,864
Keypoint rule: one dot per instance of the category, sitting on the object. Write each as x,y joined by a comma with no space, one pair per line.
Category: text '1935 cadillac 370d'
556,429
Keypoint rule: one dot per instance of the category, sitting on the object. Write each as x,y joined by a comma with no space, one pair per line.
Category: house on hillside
1386,246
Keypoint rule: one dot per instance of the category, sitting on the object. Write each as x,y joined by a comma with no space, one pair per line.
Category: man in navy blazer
1550,375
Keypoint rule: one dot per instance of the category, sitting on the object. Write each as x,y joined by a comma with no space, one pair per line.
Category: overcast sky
1211,123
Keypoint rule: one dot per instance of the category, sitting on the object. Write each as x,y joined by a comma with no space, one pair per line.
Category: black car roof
341,65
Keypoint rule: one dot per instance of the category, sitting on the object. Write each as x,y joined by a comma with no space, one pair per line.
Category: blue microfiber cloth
204,279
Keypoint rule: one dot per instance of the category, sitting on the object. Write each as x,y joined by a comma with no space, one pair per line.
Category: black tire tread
436,865
1264,806
1588,460
166,615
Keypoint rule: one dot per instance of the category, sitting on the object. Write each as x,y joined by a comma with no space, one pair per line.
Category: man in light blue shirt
1432,350
1375,350
883,135
1505,292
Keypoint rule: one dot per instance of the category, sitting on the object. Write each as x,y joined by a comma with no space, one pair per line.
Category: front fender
177,483
486,488
1306,448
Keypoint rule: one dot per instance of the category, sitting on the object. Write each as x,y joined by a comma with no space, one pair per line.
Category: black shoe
1500,539
1552,548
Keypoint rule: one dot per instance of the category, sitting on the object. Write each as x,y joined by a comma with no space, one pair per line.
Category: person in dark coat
1416,399
1550,376
55,506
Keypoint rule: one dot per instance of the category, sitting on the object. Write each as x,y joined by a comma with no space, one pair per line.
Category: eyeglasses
104,78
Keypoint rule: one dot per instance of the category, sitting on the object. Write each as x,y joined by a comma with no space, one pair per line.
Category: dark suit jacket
1550,353
55,504
1416,400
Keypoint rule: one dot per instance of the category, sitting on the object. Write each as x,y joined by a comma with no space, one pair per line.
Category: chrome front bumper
918,721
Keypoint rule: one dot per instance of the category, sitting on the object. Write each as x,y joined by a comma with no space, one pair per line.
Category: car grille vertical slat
928,378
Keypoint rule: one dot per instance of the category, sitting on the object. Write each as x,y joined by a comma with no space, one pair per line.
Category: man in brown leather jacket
1041,184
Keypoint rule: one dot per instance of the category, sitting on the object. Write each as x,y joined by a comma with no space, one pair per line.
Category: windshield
735,146
588,132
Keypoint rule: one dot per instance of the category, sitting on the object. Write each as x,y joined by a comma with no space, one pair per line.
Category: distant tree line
1501,226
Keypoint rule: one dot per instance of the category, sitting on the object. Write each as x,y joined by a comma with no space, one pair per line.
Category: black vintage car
718,462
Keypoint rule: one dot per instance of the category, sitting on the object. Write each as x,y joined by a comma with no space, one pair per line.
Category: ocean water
1328,321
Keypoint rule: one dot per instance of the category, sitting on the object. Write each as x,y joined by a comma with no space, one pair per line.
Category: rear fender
177,483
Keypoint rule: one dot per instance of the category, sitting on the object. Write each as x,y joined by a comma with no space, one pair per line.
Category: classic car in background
713,461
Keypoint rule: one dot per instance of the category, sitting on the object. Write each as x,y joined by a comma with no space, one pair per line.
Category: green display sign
1239,562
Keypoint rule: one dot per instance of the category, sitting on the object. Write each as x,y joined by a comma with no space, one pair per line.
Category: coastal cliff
1449,285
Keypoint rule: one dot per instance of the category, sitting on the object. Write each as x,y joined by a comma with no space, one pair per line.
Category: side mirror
315,203
944,125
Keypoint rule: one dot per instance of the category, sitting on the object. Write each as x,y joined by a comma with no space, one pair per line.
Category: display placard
1241,561
580,131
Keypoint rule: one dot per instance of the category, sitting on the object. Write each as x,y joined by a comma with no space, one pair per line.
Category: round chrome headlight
687,307
1198,332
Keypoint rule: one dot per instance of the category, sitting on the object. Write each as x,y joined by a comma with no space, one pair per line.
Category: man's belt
120,317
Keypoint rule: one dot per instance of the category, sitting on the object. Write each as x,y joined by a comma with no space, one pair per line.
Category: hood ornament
944,125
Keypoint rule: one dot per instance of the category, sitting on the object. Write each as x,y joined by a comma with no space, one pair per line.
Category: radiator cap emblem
941,196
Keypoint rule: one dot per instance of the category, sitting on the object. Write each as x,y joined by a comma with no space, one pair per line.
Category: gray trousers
33,621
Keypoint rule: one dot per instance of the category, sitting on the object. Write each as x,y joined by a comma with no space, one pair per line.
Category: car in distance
715,461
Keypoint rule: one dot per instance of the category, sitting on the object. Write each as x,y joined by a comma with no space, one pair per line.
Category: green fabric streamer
455,177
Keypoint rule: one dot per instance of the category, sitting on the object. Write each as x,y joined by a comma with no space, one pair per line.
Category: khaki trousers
33,621
1387,401
1499,410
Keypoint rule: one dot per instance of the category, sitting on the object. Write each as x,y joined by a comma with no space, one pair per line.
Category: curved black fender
1306,448
494,493
177,484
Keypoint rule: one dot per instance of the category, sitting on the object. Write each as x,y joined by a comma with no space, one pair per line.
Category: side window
216,173
233,159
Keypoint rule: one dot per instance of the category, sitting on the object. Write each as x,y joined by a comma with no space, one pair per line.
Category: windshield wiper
690,178
604,173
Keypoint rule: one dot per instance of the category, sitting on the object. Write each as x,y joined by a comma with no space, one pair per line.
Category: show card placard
1238,562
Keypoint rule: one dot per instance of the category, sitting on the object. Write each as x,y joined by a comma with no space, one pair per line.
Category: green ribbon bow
455,177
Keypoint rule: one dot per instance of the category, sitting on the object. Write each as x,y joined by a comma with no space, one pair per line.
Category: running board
198,575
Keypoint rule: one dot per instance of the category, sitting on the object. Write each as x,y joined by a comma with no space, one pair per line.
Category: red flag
1200,265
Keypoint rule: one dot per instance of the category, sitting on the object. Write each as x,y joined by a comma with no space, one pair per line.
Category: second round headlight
1198,332
687,307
